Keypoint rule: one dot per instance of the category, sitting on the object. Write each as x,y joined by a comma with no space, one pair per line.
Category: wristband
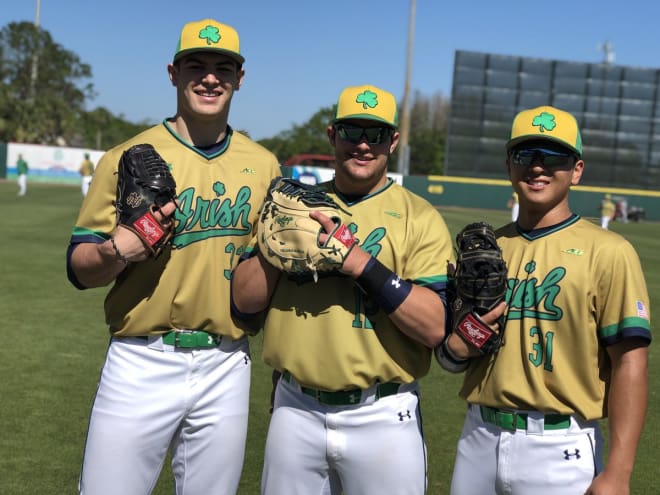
385,286
447,350
118,254
448,360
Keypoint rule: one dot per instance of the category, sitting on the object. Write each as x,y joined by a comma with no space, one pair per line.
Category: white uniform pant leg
543,462
209,449
22,184
85,182
475,466
315,449
148,399
605,222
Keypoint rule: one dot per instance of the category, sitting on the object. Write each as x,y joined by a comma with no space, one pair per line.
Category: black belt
345,397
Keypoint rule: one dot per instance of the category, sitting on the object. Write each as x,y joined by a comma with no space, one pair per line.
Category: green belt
191,339
512,421
345,397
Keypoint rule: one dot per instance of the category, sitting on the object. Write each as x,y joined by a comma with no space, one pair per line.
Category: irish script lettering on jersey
198,218
531,298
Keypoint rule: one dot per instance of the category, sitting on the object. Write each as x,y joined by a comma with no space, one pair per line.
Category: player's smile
208,94
361,159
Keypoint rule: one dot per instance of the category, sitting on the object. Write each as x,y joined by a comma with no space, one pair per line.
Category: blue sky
301,53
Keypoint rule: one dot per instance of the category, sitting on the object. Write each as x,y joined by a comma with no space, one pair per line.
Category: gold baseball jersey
219,196
573,289
86,168
607,208
328,334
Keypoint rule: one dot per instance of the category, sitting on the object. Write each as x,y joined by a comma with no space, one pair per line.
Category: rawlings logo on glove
144,185
289,239
477,285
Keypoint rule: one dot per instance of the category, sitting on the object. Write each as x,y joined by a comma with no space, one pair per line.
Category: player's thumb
167,210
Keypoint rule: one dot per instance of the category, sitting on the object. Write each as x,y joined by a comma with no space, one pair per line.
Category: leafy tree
310,137
47,106
44,86
101,129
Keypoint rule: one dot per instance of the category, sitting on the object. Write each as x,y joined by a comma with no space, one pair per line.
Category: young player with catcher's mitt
350,276
167,216
573,349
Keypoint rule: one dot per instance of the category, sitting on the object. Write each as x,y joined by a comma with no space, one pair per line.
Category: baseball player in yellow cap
350,348
177,370
574,343
607,211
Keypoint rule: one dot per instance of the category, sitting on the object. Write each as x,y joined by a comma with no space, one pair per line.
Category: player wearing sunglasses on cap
350,348
574,343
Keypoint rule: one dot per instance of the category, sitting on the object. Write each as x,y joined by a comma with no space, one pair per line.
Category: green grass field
54,338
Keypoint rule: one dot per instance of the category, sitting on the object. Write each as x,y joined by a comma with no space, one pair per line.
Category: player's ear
172,72
396,135
240,74
577,172
332,135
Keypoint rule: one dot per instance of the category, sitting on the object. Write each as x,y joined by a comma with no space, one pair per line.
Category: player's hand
131,246
607,483
461,349
356,260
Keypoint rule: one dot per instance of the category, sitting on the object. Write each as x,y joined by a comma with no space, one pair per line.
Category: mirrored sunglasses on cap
524,157
354,133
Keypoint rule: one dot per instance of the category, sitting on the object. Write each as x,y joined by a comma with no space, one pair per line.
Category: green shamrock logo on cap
210,33
368,99
545,121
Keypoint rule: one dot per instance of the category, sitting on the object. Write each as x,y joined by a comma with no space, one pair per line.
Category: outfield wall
494,194
57,164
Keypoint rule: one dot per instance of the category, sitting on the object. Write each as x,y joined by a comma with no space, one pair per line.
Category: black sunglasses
354,133
550,158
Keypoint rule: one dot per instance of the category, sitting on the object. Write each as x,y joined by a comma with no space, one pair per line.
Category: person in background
86,171
514,205
22,169
607,211
575,341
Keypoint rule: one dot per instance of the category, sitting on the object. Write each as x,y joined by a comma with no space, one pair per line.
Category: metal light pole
35,55
403,165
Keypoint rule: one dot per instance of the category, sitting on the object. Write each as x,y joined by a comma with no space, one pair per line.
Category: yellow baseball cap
367,102
548,123
209,35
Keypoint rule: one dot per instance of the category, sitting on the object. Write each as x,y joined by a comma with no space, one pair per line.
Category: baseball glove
289,239
144,184
477,285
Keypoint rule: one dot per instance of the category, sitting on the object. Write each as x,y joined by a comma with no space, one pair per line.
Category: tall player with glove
353,307
166,218
574,346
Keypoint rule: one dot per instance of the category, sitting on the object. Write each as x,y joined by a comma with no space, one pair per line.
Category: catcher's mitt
477,286
289,239
144,184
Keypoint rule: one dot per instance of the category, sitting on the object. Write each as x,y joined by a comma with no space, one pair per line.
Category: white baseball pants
493,460
376,446
152,397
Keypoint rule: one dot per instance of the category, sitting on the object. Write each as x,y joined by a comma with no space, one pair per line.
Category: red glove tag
344,235
149,229
474,331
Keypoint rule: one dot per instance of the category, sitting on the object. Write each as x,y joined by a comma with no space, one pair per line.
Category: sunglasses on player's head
354,133
524,157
